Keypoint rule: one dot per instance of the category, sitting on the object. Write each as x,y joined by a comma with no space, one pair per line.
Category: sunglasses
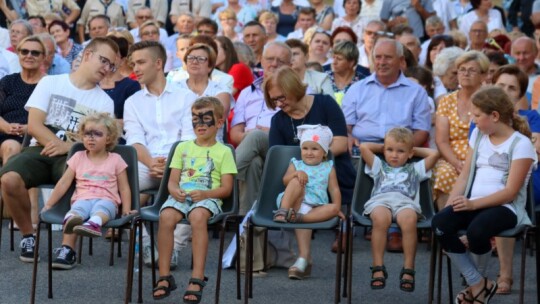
32,53
93,133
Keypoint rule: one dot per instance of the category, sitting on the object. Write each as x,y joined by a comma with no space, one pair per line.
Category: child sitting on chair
101,185
305,198
201,176
396,184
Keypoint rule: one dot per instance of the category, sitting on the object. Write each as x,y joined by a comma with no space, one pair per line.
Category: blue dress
316,189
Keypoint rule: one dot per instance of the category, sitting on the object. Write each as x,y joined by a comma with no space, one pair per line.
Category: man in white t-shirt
55,109
306,19
154,119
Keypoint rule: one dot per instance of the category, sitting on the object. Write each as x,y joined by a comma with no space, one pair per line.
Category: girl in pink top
101,185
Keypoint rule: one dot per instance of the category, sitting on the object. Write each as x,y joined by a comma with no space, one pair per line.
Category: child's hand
198,195
302,178
341,215
179,195
128,212
45,208
461,203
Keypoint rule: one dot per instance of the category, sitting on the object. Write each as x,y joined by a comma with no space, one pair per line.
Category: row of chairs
276,165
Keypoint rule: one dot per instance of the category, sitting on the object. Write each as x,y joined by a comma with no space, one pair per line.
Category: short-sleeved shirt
66,105
394,8
98,7
493,163
96,180
404,180
202,167
373,109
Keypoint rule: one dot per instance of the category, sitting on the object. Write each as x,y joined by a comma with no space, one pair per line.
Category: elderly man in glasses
55,109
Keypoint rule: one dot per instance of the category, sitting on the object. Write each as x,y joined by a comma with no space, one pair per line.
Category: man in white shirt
154,119
306,19
55,109
371,31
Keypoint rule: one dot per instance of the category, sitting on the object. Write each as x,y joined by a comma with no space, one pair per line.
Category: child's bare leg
198,219
292,197
69,240
167,222
321,213
407,219
381,218
303,238
505,250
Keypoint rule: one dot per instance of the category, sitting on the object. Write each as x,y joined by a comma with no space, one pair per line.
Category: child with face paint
305,199
201,176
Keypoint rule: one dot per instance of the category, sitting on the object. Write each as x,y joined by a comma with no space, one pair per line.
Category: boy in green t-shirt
201,175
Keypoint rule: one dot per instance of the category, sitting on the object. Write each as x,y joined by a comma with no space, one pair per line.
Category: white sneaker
147,255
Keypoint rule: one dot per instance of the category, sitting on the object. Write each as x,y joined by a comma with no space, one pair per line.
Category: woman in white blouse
482,10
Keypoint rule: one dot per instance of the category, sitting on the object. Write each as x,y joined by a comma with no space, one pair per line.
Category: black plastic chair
151,214
519,232
56,214
275,166
362,193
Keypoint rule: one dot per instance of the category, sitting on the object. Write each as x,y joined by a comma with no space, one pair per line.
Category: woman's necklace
295,132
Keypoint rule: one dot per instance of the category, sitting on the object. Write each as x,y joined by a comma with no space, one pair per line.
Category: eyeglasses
148,33
275,59
206,32
109,66
93,133
227,19
464,71
478,32
198,59
281,98
32,53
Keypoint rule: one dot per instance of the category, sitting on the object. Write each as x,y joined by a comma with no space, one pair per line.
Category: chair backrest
364,185
129,154
276,164
230,204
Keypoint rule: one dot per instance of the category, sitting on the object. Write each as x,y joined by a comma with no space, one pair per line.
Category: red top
242,76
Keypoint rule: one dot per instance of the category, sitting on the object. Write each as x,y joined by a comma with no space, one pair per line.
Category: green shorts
212,205
36,169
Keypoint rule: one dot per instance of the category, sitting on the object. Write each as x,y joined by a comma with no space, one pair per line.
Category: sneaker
174,259
71,222
65,258
147,255
89,229
27,249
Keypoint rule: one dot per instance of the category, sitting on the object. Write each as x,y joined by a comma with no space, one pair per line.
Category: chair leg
248,262
79,255
237,257
152,255
349,252
129,275
139,296
49,241
522,271
439,274
111,251
120,234
449,271
432,265
346,228
338,264
90,246
220,257
35,266
537,245
12,235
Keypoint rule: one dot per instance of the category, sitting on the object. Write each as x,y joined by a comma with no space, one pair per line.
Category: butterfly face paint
203,119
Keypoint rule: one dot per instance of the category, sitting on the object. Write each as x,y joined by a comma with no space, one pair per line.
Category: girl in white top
499,168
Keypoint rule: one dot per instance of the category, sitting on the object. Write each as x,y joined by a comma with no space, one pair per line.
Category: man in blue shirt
54,63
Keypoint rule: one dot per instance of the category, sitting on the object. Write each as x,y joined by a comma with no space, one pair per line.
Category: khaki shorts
36,169
212,205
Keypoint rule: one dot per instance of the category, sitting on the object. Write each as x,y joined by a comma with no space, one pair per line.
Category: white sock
96,219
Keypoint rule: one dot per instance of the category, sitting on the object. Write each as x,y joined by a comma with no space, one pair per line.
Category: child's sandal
196,293
295,217
406,284
166,289
281,215
381,280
